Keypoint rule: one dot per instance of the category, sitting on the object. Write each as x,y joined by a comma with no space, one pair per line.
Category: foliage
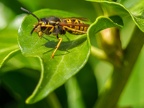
101,69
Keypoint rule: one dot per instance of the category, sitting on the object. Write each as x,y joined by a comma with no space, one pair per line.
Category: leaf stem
118,80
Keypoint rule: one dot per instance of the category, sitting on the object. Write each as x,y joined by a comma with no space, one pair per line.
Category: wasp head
37,28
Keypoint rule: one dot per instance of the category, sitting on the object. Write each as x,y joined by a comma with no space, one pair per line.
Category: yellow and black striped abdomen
75,26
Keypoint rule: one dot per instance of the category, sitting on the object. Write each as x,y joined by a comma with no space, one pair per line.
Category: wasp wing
73,21
66,24
75,18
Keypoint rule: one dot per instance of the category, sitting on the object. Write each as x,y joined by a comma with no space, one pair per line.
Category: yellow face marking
42,23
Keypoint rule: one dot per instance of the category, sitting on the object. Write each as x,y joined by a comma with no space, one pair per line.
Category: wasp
58,26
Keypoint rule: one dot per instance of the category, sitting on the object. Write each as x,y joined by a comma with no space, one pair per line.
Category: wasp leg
52,29
57,46
47,27
79,31
40,34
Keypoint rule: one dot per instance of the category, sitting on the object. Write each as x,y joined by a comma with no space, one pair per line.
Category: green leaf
18,61
8,45
103,23
69,58
132,4
136,13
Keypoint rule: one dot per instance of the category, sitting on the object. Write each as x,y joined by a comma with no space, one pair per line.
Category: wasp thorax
41,28
50,20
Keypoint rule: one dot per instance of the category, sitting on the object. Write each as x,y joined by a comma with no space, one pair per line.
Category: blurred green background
19,76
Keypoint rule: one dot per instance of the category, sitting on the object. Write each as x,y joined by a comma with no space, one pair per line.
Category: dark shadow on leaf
65,46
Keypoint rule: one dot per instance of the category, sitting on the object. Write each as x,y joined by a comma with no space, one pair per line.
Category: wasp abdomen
75,26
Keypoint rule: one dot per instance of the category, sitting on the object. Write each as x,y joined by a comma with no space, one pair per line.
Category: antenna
27,11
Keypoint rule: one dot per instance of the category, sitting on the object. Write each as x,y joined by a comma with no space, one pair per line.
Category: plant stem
118,80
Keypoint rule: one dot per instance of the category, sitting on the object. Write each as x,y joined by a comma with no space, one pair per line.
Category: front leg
40,34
